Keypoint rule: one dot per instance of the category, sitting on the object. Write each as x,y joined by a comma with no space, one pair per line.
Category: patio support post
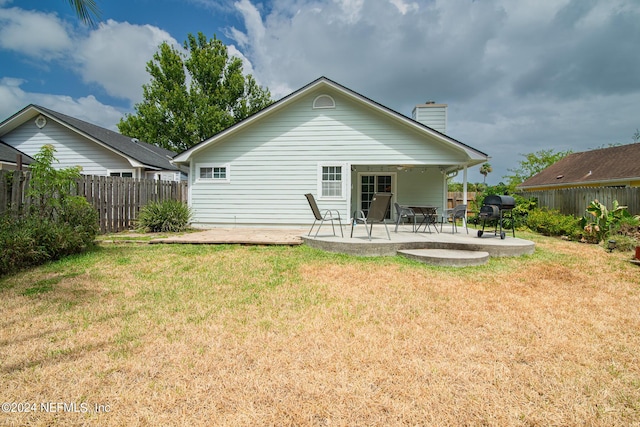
464,193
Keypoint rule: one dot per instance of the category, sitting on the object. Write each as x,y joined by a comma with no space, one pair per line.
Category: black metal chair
329,215
376,214
458,212
403,212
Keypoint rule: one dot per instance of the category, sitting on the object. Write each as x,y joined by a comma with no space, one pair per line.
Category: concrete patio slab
239,236
405,239
446,257
359,244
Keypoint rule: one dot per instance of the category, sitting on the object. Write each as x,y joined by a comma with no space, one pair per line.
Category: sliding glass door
371,184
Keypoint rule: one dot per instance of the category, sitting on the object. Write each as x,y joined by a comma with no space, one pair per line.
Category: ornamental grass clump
166,216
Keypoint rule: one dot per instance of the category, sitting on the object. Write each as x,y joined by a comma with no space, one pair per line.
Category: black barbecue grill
497,208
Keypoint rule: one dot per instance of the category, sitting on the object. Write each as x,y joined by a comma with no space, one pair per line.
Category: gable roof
476,156
146,155
606,166
8,154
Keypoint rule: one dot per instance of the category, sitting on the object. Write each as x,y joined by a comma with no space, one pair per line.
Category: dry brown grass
181,335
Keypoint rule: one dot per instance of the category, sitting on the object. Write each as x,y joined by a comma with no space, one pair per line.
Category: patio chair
377,213
458,212
403,212
329,215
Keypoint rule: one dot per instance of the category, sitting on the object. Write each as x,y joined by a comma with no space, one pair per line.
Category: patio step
447,257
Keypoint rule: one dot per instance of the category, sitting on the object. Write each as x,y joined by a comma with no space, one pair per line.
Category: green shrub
553,223
170,215
32,240
58,223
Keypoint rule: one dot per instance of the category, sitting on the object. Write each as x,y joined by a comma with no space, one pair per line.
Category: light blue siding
274,162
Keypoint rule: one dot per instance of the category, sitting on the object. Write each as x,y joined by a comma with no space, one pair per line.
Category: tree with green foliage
50,188
485,170
532,164
87,11
193,94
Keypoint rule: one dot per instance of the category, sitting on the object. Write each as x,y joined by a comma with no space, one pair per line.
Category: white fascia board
18,119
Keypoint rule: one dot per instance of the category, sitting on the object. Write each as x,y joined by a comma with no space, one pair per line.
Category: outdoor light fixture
611,245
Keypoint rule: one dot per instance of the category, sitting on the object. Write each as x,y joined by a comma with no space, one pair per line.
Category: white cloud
405,7
88,108
12,96
114,56
518,76
39,35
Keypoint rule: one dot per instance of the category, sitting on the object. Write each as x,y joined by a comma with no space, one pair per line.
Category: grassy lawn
243,336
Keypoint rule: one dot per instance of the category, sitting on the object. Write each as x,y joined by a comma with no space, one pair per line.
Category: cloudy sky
518,76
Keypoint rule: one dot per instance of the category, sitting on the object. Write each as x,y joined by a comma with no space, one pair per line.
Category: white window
121,173
217,173
332,181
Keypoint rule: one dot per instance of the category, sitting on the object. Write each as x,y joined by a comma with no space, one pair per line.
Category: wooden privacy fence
117,200
574,201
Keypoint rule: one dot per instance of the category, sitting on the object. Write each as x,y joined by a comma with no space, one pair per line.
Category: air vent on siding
324,101
41,121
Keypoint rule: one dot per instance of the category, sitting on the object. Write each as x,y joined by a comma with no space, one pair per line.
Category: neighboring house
12,159
617,166
326,140
97,150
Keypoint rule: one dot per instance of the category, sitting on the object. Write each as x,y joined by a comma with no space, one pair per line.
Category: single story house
12,159
327,140
617,166
97,150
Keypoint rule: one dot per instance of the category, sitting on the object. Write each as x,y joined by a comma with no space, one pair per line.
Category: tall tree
534,163
485,170
193,94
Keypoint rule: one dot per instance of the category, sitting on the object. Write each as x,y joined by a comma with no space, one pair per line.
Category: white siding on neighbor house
71,149
274,162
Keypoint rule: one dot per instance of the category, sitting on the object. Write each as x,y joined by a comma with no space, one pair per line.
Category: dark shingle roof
144,153
604,165
8,154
